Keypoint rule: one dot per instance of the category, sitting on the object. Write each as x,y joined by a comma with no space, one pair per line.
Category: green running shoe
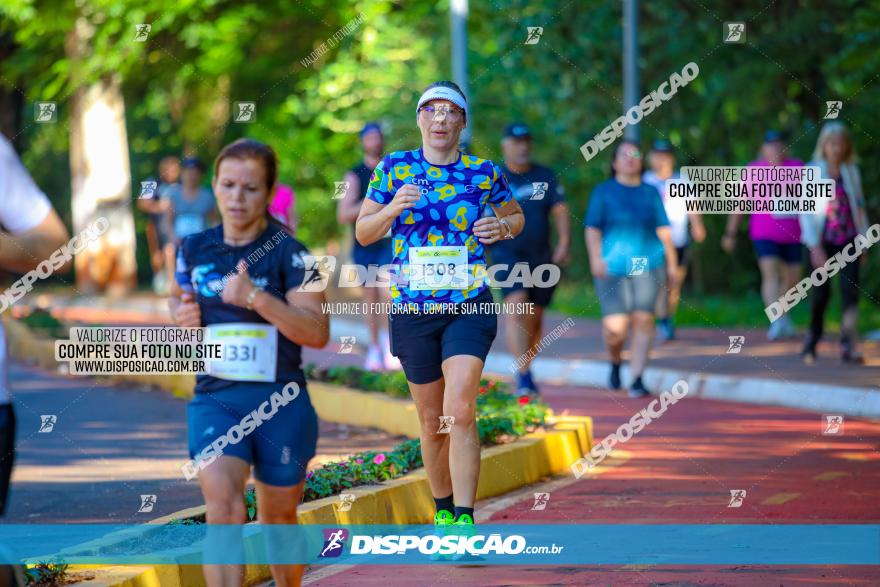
464,526
443,518
443,521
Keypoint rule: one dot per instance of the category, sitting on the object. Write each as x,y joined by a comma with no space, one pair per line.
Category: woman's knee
225,509
642,321
279,513
614,331
464,412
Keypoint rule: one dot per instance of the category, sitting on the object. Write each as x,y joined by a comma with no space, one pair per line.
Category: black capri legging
7,451
848,277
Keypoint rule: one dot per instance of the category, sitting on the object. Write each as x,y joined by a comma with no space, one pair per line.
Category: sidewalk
762,372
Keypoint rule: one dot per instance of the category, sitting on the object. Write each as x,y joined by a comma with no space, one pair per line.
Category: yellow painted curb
25,346
360,408
503,468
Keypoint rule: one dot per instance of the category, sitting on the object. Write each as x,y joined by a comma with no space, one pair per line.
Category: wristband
251,296
509,234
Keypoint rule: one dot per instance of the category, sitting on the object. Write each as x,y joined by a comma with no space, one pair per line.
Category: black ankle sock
462,510
444,503
637,381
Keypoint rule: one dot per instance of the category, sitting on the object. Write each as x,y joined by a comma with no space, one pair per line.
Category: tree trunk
100,178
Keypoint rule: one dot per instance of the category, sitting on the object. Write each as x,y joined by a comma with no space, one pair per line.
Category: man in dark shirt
355,185
540,196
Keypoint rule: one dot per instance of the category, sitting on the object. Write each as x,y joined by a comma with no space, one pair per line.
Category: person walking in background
776,238
662,162
356,182
827,233
157,230
540,196
631,255
191,206
283,206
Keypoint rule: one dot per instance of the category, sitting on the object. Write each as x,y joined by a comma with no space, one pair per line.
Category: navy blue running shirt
537,191
277,264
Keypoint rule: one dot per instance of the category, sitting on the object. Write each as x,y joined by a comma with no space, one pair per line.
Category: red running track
680,470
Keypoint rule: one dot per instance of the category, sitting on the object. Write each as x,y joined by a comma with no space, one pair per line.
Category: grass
708,311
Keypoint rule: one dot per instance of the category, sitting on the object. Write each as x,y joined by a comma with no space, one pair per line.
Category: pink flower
379,459
359,461
310,474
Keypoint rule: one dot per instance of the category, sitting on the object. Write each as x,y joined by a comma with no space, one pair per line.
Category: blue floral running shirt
437,259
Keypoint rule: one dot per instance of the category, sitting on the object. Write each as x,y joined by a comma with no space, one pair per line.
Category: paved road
680,469
110,445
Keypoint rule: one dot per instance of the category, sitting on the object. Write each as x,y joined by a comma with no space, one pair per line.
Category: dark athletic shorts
630,293
281,446
790,253
7,451
540,296
378,253
423,341
682,255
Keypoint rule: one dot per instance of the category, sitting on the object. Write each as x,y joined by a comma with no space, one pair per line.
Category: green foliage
46,324
250,503
499,414
46,574
364,468
202,56
391,382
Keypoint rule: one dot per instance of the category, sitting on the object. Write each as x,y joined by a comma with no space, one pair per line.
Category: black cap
517,130
192,162
772,136
369,127
662,146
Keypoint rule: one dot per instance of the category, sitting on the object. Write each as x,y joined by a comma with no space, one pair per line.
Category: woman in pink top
776,238
283,206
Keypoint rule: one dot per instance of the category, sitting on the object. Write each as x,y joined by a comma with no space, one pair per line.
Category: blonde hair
830,129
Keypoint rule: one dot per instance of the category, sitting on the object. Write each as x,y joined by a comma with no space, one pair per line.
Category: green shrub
46,324
46,574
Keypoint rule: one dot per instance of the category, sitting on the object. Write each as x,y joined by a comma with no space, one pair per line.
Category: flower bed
501,417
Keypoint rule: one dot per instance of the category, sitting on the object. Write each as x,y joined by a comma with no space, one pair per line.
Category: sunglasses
452,113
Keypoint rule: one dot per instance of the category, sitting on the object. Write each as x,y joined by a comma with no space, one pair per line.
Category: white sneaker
374,359
392,363
775,330
786,329
160,284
